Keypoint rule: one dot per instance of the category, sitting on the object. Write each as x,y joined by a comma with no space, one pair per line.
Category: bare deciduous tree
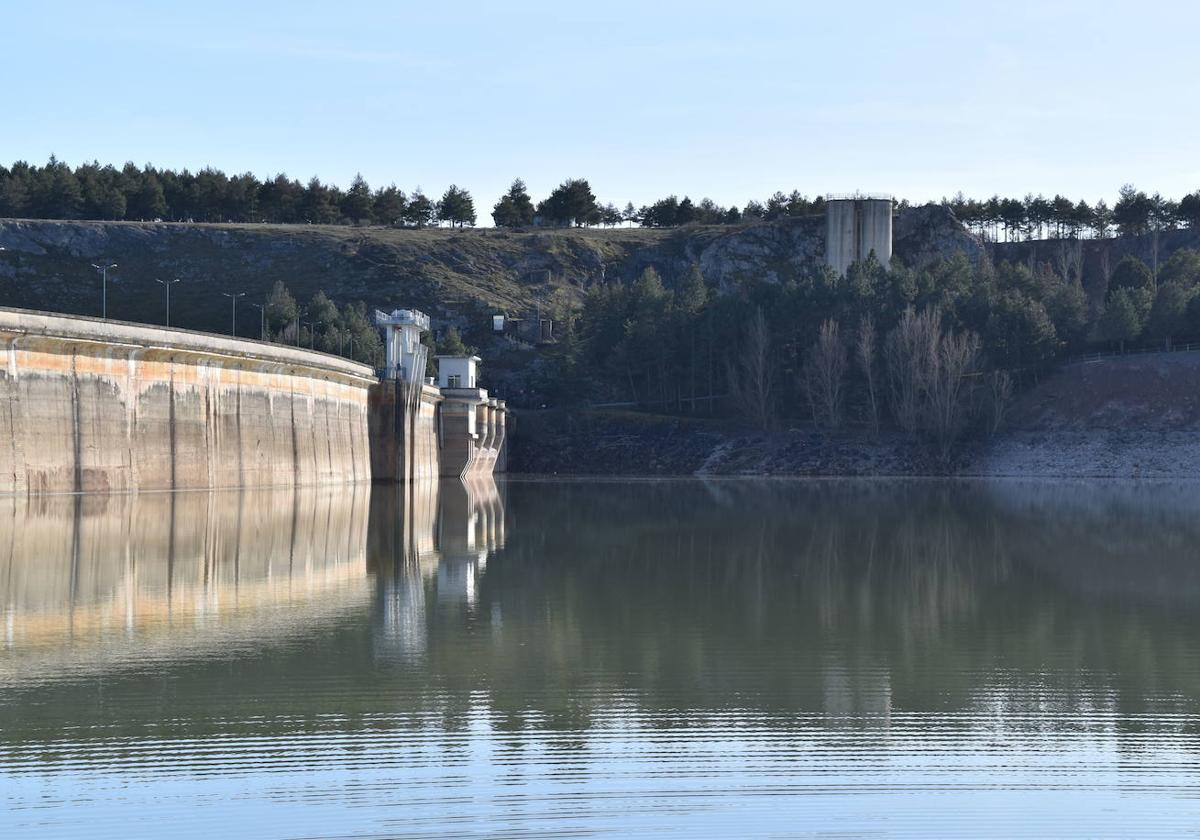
824,374
864,354
751,374
1000,387
931,377
955,360
909,350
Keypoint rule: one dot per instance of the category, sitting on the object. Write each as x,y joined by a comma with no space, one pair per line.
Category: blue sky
729,100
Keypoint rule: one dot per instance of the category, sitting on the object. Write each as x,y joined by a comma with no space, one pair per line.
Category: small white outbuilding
458,371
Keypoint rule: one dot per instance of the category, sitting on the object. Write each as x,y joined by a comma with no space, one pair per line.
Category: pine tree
14,197
281,309
280,200
356,204
693,294
1130,273
389,206
362,341
419,211
316,206
148,203
1189,210
1132,211
57,194
326,322
1121,321
571,202
515,208
451,343
457,207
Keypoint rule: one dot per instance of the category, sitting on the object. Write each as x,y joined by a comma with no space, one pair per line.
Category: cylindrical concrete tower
856,225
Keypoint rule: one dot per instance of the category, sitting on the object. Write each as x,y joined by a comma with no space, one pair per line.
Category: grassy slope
446,271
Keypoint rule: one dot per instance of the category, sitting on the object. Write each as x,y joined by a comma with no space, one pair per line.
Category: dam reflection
95,581
430,546
92,582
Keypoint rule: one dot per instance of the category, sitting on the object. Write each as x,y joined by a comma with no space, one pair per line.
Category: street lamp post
312,333
167,284
103,269
262,314
233,310
299,312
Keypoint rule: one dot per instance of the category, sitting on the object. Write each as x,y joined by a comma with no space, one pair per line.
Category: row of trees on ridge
1036,217
93,191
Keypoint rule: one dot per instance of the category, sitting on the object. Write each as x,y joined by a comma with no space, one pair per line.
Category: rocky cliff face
453,274
922,234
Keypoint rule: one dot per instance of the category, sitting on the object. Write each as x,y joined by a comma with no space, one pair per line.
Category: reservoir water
581,658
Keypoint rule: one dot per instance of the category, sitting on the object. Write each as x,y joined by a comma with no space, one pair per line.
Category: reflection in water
91,582
436,537
898,658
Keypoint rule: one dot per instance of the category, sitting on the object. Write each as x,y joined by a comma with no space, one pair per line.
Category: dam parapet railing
26,323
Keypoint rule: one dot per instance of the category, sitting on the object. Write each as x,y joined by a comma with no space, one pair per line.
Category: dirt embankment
629,443
1125,417
1133,416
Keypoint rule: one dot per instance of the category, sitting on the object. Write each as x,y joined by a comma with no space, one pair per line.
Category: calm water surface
580,658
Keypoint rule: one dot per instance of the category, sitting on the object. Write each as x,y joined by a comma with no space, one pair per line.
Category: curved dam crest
90,405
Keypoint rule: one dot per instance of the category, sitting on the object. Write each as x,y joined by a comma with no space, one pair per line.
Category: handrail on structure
858,196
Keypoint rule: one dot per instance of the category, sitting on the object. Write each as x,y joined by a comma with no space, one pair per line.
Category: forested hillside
738,321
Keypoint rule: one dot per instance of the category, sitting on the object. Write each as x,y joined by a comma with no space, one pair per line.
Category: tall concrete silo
856,225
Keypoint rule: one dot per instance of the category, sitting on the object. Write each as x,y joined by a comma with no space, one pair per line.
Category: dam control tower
856,225
405,353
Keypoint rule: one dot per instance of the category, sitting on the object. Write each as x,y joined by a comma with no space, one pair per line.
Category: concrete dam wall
91,405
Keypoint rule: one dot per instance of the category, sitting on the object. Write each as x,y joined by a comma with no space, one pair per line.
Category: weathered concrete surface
459,433
91,405
404,431
489,454
473,433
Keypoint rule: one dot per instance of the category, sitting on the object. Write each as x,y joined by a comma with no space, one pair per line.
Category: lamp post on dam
233,299
167,284
102,270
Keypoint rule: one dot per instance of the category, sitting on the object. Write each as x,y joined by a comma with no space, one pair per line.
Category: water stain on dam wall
89,405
